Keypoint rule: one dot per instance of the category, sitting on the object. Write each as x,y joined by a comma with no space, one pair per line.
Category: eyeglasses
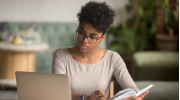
90,39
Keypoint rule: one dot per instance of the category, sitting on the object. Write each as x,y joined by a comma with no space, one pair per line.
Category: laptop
42,86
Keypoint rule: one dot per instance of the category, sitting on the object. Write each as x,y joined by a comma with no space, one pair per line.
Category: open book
128,93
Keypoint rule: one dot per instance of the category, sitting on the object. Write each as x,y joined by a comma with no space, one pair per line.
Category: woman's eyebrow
90,33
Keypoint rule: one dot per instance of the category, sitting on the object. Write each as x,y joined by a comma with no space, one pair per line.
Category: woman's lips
83,47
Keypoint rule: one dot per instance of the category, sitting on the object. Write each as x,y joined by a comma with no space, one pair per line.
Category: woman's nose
85,39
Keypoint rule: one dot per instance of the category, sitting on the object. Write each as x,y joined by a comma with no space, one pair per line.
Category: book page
121,97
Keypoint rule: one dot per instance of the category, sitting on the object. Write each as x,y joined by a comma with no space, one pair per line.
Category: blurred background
145,33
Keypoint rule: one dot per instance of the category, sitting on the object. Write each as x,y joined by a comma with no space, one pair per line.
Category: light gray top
87,78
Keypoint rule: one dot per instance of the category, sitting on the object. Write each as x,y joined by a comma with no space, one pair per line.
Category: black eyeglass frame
87,36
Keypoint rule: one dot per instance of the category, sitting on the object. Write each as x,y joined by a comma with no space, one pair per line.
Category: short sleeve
58,64
121,73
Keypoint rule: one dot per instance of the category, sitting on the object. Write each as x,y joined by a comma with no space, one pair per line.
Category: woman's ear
102,38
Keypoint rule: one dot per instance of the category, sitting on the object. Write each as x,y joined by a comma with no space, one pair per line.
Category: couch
155,65
159,68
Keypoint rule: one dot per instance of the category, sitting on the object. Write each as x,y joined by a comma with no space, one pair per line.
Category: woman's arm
98,95
122,75
124,79
75,96
58,66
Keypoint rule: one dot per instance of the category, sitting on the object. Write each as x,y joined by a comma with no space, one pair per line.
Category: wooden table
18,58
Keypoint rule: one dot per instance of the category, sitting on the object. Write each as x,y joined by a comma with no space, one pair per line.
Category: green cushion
156,65
156,59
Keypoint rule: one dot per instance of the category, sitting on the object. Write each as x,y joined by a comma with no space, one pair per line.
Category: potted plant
167,35
136,33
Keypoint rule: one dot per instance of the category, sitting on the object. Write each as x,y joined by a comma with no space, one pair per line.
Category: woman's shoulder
60,50
114,56
113,53
65,51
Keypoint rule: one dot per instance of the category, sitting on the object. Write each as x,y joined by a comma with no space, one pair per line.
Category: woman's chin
83,49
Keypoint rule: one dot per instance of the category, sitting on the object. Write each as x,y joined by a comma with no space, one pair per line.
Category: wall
51,10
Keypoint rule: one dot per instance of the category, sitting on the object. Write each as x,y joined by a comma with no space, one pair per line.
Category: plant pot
167,43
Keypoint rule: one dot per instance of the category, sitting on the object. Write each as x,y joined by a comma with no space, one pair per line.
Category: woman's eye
81,33
92,37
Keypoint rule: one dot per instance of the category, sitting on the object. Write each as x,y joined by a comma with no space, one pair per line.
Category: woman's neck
90,54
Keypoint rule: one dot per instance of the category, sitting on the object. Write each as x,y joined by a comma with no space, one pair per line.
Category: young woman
89,67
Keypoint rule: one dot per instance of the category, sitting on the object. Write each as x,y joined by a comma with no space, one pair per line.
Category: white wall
51,10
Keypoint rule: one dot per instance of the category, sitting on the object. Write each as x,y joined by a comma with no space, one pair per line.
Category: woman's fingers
93,96
134,97
100,94
144,94
126,99
139,97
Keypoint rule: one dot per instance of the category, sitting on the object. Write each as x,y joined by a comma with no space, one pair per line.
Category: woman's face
94,37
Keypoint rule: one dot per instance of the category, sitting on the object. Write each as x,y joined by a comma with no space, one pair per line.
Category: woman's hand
97,95
137,98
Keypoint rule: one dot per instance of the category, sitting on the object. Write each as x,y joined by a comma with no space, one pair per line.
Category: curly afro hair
100,15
